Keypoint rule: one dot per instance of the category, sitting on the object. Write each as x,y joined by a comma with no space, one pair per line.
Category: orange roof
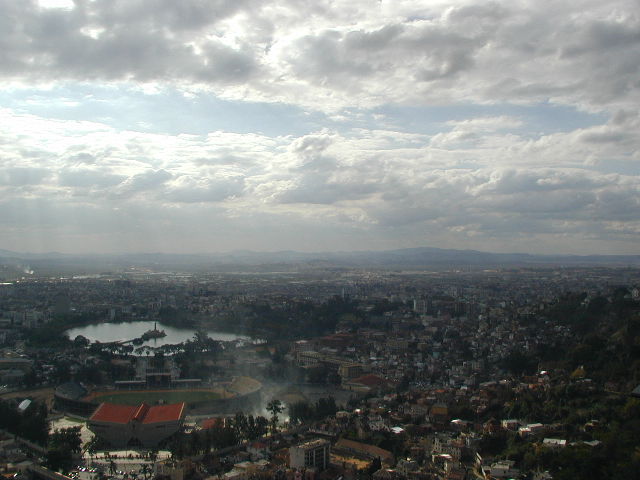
110,412
212,422
164,413
370,380
365,448
143,413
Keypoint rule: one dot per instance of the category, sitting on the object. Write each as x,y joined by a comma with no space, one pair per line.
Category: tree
241,424
376,465
62,444
146,470
31,424
274,407
30,379
256,426
261,426
153,455
519,363
68,438
91,446
404,384
318,374
177,446
300,412
325,407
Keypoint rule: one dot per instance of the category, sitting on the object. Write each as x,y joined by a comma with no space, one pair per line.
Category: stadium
227,397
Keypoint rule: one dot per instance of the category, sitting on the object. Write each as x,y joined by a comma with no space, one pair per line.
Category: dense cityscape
319,240
520,372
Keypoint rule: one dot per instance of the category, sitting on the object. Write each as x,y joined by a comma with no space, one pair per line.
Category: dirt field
66,422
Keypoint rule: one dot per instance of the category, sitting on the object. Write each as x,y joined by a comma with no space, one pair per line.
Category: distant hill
407,258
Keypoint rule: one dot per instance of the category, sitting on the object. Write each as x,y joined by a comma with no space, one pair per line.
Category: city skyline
197,127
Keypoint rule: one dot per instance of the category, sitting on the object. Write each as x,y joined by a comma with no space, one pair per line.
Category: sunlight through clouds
501,125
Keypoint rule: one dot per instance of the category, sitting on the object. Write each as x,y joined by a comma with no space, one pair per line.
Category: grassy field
153,397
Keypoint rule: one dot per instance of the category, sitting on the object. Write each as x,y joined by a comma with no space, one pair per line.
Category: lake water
112,332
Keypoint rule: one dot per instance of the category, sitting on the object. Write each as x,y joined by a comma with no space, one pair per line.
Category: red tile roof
364,448
143,413
110,412
164,413
212,422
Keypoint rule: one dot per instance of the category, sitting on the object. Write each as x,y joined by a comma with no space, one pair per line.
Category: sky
199,126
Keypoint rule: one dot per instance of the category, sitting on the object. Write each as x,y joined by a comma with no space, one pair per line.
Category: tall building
312,454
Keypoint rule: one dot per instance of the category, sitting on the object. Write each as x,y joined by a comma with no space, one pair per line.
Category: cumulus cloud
357,175
371,182
336,54
19,176
187,189
88,177
140,182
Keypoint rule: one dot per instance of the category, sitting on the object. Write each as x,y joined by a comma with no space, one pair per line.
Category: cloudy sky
215,125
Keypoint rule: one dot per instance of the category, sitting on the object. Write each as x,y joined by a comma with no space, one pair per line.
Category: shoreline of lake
106,332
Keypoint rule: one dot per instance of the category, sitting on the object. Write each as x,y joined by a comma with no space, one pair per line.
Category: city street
126,464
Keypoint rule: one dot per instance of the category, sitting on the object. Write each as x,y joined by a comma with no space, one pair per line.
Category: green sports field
154,397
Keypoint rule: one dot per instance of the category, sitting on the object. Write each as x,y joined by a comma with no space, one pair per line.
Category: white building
312,454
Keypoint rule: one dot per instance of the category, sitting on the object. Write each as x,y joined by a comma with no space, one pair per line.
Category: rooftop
143,413
370,380
317,443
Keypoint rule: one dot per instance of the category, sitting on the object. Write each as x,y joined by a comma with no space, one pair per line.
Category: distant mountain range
407,258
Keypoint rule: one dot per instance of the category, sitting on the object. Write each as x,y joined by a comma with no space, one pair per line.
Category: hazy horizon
194,127
265,253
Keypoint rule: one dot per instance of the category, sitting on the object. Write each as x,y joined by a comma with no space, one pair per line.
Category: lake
113,332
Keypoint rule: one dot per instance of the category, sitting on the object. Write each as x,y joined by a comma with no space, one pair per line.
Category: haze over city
319,240
190,126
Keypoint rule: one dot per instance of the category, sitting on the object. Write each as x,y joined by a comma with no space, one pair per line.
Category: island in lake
155,333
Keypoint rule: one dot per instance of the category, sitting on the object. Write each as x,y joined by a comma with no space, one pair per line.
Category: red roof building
110,412
371,380
213,422
133,426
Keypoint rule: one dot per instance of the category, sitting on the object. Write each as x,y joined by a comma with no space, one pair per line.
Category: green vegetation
260,320
196,354
580,415
52,334
300,412
617,455
175,317
274,407
587,400
604,340
30,424
61,446
225,433
155,397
